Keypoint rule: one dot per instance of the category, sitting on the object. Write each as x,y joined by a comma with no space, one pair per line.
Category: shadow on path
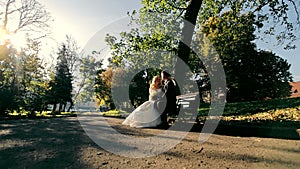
42,143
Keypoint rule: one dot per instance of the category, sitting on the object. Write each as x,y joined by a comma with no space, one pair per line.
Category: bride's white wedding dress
145,115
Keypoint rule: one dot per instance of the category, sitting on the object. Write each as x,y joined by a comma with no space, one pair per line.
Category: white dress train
145,115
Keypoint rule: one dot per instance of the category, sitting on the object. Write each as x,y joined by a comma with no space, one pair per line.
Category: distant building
295,89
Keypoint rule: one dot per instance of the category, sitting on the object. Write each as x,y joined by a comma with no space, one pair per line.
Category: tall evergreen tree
61,84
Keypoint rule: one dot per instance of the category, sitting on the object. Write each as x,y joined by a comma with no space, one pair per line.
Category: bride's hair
156,83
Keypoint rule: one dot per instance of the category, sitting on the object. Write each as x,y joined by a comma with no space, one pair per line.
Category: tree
141,56
16,76
232,35
32,78
273,76
24,15
268,15
197,13
103,84
9,100
67,64
61,84
72,54
274,12
139,89
139,50
88,70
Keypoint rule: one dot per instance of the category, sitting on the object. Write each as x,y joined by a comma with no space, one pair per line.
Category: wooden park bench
187,101
187,104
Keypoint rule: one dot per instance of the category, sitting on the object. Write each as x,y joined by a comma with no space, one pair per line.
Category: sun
16,40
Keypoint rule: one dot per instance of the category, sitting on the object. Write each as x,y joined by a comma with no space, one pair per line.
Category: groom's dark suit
170,94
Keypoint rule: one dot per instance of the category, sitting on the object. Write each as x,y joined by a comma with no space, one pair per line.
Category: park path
62,143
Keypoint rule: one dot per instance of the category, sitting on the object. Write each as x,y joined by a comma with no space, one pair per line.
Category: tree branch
296,10
28,14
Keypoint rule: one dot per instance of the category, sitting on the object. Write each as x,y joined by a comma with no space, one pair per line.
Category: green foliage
139,50
21,86
139,88
32,79
115,81
141,54
9,83
88,70
8,100
271,76
232,35
61,84
272,17
22,79
230,25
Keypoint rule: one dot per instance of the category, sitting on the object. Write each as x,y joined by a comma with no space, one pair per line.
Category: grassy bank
254,107
283,112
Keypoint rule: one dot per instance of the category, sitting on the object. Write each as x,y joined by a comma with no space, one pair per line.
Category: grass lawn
277,112
115,113
274,113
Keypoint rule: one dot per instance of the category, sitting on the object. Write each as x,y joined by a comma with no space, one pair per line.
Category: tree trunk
64,107
54,108
188,29
71,105
81,85
186,39
60,108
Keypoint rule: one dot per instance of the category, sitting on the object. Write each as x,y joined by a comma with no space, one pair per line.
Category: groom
170,94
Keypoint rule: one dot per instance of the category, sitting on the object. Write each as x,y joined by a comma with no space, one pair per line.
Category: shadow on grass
265,129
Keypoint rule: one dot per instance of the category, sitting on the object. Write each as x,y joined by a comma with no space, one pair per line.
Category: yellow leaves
288,114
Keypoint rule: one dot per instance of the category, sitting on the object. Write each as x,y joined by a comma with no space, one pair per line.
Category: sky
83,19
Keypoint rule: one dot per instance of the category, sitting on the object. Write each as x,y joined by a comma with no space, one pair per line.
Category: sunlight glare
4,36
16,40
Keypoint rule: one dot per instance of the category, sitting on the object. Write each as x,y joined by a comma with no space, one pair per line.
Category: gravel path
62,143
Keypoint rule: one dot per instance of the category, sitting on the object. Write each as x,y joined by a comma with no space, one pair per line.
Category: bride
146,115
